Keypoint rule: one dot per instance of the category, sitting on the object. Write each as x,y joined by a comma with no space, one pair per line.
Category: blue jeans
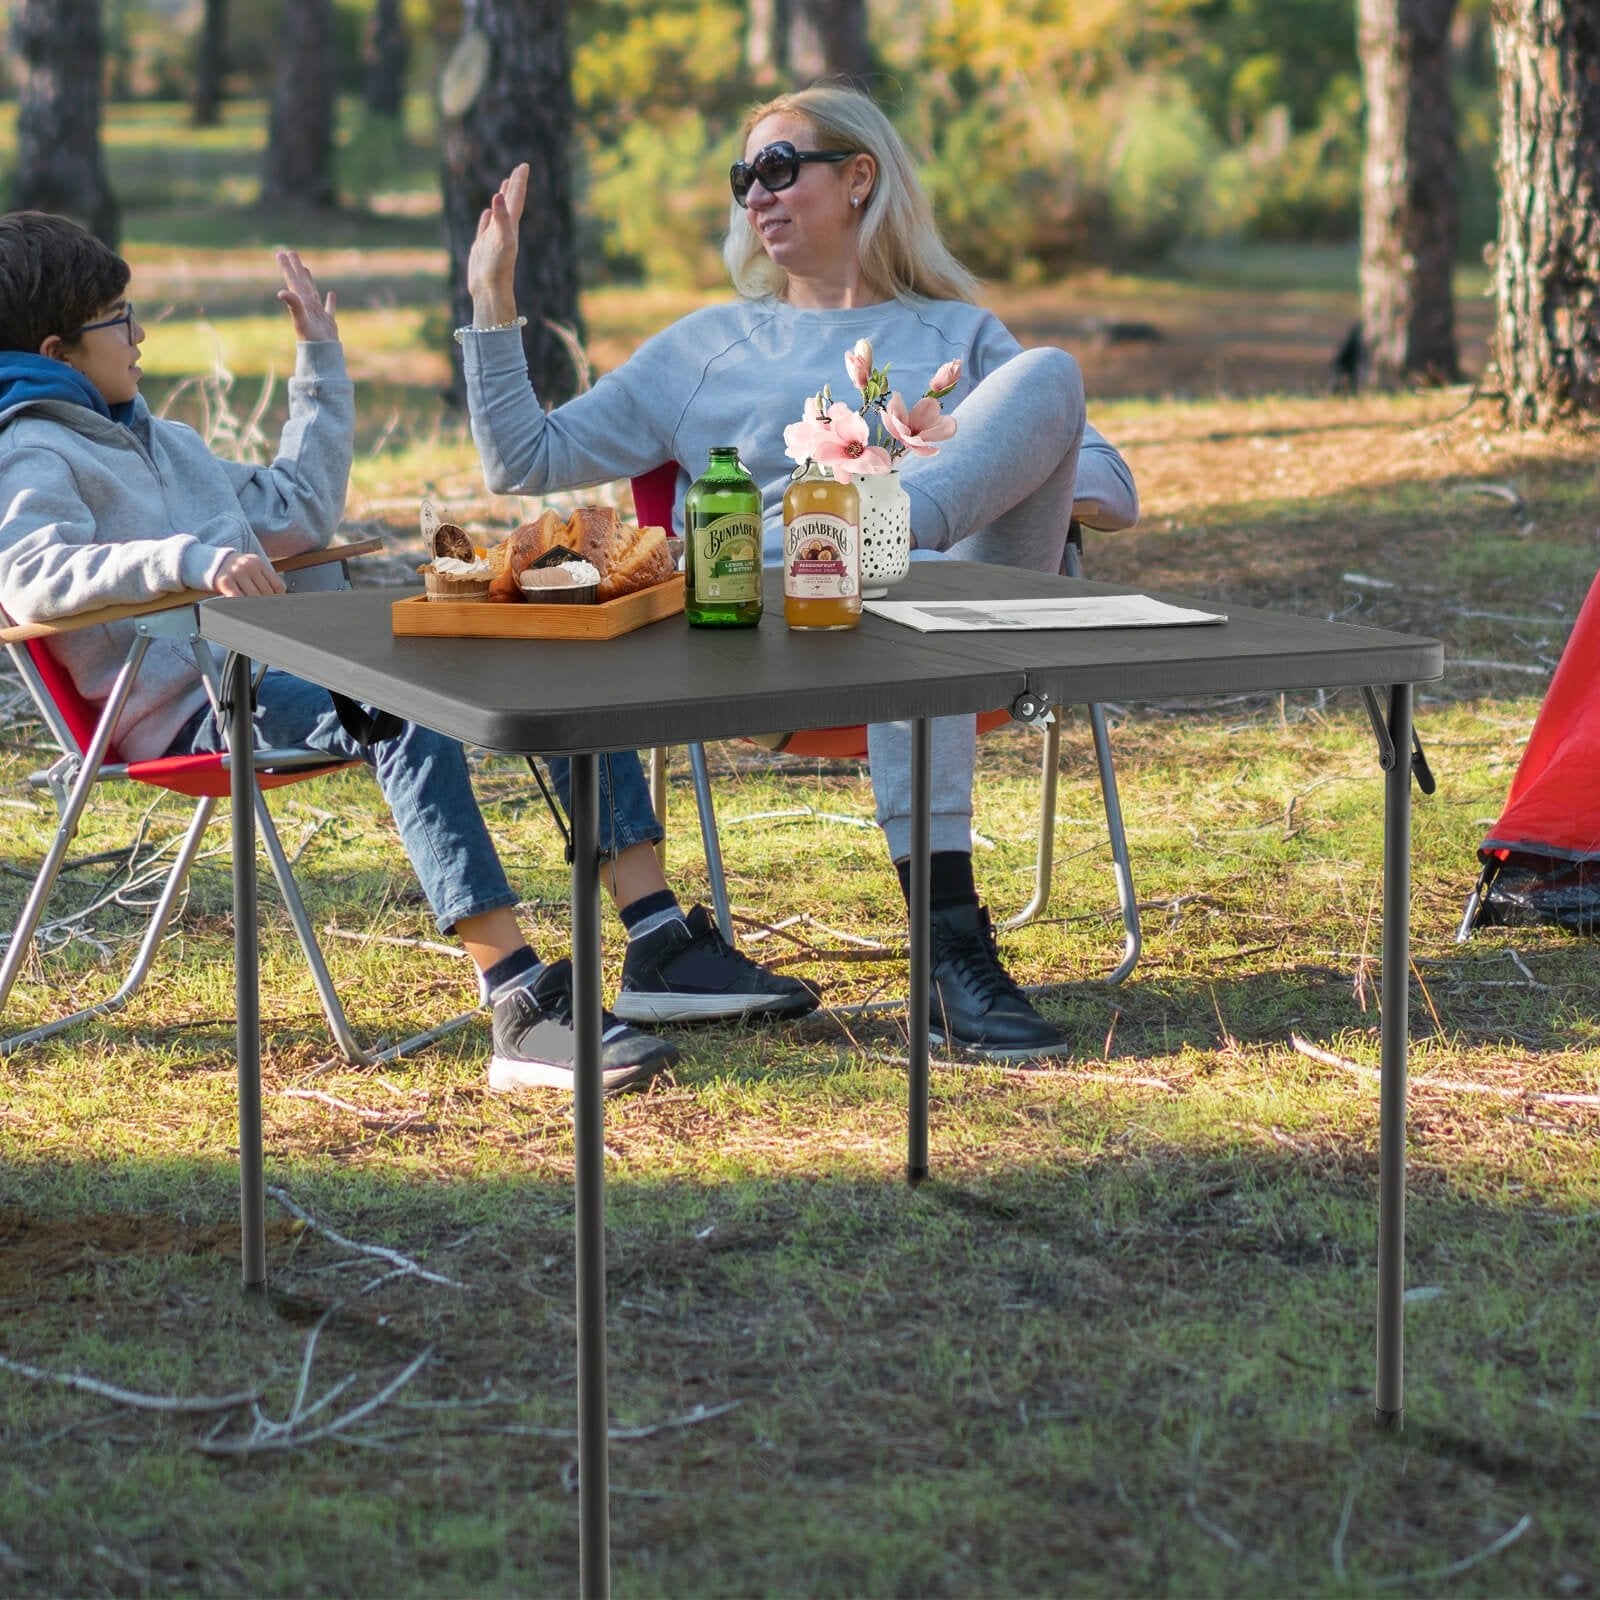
626,815
425,780
423,777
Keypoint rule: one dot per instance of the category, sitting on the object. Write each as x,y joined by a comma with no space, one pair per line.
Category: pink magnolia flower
858,363
800,439
844,447
945,379
922,428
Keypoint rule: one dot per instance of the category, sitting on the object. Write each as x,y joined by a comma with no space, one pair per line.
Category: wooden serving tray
419,617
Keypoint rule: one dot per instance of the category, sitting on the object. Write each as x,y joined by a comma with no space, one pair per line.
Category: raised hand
492,261
245,573
309,309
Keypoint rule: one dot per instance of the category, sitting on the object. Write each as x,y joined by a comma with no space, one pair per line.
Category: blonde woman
831,240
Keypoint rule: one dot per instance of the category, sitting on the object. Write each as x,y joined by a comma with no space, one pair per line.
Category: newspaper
1058,611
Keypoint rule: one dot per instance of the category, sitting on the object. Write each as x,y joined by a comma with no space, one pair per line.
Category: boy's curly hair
54,277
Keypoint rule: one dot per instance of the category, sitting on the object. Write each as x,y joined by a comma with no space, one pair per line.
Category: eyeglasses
124,318
777,166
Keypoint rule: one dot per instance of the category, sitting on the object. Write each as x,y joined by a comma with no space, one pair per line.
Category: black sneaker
692,974
534,1041
974,1002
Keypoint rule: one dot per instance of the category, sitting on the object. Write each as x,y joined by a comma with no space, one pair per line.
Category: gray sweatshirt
736,374
94,513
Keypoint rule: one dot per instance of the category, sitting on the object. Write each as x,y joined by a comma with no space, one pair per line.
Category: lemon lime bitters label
821,554
727,558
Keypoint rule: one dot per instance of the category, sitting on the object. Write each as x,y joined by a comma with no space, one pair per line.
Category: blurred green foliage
1051,133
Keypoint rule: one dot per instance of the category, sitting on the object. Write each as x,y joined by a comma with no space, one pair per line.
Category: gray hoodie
97,513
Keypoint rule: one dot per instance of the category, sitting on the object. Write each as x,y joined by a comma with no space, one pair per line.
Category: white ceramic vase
885,532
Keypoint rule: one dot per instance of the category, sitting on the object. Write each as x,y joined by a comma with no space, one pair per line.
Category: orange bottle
821,551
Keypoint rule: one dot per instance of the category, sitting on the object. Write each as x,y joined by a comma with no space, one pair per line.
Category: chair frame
87,759
656,488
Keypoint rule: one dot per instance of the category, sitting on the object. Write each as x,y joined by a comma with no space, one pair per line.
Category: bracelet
499,327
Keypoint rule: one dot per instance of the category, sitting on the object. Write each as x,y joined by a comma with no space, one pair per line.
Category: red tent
1541,860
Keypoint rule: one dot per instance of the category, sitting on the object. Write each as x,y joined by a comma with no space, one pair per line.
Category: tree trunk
210,65
507,97
59,53
828,39
1547,259
388,56
298,171
1408,197
766,41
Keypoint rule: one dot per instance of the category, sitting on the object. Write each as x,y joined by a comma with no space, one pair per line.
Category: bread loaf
639,559
514,554
627,558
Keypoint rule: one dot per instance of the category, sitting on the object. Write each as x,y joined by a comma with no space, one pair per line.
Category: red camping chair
88,757
654,494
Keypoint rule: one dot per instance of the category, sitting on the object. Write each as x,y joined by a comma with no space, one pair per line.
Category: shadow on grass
1120,1370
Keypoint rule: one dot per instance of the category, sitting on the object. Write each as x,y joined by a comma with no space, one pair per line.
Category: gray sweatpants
1000,491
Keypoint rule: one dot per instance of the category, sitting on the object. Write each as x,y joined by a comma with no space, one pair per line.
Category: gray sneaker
534,1041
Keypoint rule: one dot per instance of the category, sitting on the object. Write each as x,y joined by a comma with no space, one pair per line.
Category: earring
855,200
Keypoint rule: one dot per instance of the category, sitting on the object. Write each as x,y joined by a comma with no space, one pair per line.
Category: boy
102,503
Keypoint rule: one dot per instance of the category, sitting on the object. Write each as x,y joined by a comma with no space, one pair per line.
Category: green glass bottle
722,545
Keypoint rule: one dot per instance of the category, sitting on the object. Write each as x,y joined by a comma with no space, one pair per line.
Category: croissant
639,559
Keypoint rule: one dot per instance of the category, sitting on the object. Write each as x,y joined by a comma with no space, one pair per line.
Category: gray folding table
669,684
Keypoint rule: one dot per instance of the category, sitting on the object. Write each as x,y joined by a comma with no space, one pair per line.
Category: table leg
1392,1090
594,1530
246,976
921,938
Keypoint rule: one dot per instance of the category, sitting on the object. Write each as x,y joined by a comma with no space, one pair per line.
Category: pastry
639,559
509,559
451,578
565,583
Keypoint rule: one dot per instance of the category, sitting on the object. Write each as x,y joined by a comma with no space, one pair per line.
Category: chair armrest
21,632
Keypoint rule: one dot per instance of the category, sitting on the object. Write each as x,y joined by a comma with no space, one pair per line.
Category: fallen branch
373,1118
1451,1085
643,1431
132,1397
1396,1580
283,1437
393,1257
1499,666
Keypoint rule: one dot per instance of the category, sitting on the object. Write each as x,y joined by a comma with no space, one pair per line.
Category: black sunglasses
124,318
777,166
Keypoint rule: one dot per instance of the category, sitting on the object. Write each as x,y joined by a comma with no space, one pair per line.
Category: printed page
1060,611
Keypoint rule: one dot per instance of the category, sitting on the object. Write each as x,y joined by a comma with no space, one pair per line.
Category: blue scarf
25,377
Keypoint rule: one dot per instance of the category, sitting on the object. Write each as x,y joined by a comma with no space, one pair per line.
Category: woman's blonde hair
901,251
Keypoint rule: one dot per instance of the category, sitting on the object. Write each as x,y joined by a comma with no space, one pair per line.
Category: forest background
1053,136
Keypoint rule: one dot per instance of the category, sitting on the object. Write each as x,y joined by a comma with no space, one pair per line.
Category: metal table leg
1392,1092
921,938
246,976
594,1531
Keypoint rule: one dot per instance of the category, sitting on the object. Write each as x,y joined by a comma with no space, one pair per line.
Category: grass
1121,1343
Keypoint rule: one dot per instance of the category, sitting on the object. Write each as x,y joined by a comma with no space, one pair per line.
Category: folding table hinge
1387,755
224,698
1033,708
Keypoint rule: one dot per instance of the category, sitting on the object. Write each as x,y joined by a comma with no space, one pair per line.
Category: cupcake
562,584
451,578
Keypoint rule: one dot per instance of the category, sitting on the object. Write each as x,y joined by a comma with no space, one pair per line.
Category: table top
668,683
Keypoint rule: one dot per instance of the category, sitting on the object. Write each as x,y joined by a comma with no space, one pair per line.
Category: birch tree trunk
298,171
507,97
59,51
1547,257
1409,227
